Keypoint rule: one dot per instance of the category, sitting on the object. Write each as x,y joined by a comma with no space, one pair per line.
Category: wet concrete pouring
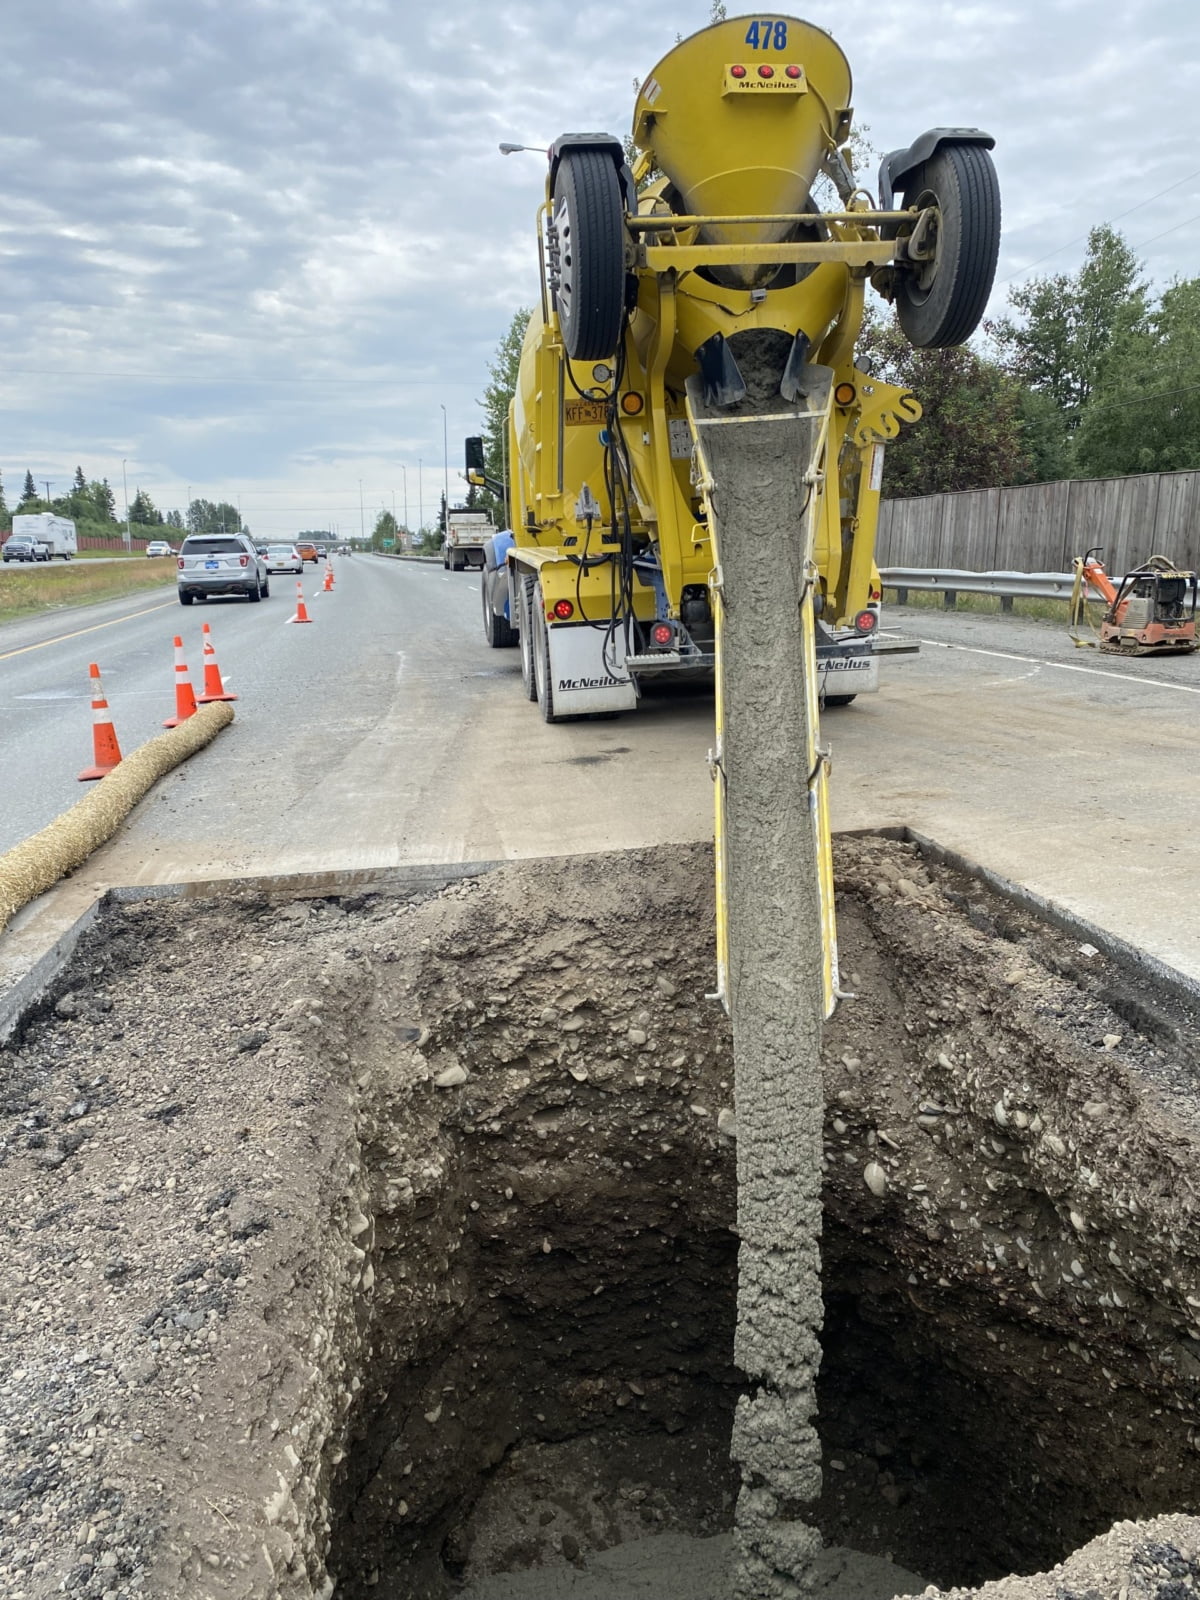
385,1246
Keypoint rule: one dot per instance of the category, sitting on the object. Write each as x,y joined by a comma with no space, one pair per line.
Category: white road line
1064,666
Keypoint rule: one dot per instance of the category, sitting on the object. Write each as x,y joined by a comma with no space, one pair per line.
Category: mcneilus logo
591,683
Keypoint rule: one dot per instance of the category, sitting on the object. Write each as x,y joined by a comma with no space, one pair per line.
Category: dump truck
467,530
694,469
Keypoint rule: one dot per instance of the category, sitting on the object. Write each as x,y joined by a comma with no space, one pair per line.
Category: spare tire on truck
588,217
941,300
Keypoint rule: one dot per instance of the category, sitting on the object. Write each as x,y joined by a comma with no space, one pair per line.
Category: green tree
497,396
971,434
385,533
144,512
103,499
29,494
1144,412
5,514
80,484
205,516
1057,342
174,519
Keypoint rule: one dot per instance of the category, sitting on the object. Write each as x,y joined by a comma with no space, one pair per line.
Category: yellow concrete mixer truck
694,460
694,473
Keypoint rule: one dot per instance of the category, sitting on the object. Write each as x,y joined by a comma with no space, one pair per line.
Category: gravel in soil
389,1240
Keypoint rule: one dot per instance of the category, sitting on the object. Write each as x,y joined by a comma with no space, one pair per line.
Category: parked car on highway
307,549
284,558
220,563
24,547
159,547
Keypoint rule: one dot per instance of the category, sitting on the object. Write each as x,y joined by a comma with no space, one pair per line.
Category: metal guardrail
951,583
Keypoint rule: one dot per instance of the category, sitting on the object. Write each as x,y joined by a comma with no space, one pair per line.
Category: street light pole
362,516
125,487
421,493
47,482
446,466
404,473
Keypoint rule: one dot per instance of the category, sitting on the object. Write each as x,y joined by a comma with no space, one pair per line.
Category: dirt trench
406,1263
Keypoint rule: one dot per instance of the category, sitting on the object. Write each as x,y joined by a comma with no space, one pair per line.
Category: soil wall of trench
408,1258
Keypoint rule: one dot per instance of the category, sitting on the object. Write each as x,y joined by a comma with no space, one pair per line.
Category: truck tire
498,631
839,699
526,587
589,221
942,304
541,658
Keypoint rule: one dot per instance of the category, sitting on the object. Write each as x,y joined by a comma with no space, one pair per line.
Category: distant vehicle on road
159,547
221,563
284,558
322,550
467,531
24,547
307,549
56,533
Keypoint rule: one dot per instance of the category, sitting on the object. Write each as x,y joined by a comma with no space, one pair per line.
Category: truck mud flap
587,666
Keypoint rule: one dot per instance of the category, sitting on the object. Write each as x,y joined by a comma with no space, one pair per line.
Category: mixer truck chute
695,464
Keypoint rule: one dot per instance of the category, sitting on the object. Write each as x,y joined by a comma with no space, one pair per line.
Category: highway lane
390,733
45,716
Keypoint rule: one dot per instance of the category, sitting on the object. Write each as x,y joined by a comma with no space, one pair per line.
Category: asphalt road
389,733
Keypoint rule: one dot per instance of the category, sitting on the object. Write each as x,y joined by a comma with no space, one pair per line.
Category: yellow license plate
589,413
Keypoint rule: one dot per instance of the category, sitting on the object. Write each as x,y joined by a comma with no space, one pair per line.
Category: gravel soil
325,1221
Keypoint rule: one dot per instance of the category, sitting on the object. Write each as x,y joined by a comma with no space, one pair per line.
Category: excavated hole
1010,1354
408,1260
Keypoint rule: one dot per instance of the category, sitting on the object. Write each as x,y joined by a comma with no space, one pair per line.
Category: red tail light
792,72
181,563
737,72
662,635
563,609
766,72
865,622
244,561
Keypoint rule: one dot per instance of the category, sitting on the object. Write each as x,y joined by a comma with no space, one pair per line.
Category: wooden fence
1040,527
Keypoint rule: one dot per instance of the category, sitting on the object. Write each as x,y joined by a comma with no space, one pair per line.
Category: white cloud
288,219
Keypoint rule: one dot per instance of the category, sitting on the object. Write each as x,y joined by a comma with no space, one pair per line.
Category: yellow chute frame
816,760
741,154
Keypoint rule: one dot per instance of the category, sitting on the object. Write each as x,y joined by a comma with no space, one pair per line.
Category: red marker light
865,621
792,72
737,72
563,609
662,634
766,72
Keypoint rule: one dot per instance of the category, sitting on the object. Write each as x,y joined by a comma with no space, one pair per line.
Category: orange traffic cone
301,611
185,695
214,689
106,752
328,579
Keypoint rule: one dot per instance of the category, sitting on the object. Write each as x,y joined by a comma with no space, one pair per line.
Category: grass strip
29,589
984,604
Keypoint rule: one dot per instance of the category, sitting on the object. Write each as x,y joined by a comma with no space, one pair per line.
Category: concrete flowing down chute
693,466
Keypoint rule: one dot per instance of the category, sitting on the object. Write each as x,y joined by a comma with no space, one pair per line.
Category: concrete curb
35,865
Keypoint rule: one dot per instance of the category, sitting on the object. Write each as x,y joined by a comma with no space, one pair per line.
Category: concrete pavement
389,733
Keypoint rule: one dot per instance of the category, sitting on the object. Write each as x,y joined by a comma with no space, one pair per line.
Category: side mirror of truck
475,465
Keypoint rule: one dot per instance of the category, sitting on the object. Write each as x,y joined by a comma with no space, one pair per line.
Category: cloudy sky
253,247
